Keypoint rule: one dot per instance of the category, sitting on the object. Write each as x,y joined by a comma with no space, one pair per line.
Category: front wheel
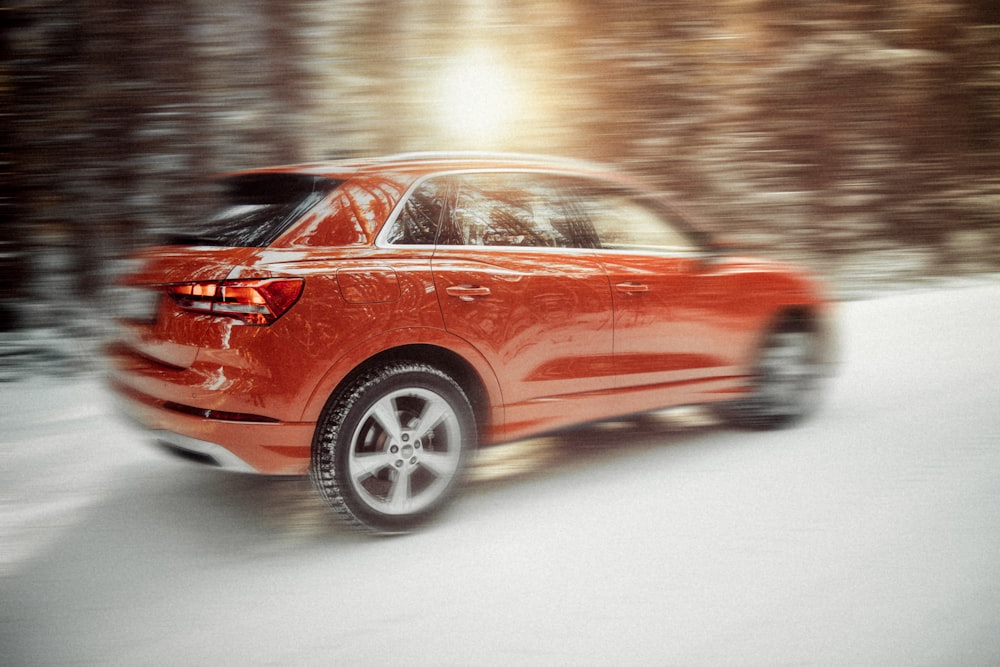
786,382
391,448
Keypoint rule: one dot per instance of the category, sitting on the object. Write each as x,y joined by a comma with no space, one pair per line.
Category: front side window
624,221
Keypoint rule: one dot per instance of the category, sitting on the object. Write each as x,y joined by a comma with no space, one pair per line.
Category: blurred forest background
861,137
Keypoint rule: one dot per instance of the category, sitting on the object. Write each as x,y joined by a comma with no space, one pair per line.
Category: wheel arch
445,360
479,385
816,318
797,317
761,407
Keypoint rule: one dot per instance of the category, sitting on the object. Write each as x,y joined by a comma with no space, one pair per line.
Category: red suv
370,322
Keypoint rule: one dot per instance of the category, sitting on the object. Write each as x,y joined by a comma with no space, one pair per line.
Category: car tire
391,448
786,381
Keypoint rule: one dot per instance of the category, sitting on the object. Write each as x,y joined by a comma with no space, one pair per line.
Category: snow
869,534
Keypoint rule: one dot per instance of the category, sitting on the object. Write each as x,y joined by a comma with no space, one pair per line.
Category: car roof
430,162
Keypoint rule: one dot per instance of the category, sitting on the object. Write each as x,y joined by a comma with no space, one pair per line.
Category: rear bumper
200,451
273,448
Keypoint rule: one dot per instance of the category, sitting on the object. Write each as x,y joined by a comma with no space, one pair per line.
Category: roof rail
483,155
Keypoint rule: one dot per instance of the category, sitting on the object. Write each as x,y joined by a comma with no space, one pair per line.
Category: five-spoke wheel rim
405,451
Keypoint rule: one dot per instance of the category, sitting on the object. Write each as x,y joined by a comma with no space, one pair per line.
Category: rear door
512,281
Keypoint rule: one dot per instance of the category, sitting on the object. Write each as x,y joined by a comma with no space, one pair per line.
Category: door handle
632,288
467,292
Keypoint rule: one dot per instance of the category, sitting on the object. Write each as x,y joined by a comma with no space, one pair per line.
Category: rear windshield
252,210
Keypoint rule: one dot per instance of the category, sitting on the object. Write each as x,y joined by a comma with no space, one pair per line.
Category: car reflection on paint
371,322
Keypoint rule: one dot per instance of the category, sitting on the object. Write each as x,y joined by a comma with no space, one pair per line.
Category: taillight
259,302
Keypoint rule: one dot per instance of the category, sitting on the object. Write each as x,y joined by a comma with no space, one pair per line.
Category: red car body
245,345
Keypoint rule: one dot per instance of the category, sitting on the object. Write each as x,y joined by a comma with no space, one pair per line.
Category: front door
673,314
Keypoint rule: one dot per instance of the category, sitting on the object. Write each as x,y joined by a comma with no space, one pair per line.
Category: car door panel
511,282
673,315
543,320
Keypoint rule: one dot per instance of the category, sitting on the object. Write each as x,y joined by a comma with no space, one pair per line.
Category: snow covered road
867,535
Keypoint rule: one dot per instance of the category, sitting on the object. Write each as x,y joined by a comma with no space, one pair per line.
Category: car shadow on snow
254,513
289,509
585,446
171,512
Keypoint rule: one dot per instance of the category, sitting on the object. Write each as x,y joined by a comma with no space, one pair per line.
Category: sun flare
479,100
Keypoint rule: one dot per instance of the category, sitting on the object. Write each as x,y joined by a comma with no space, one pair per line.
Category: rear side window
351,216
253,210
514,210
417,223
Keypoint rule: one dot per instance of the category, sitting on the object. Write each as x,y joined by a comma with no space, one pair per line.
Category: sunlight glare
479,100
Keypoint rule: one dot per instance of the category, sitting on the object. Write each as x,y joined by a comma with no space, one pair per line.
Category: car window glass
507,209
418,221
373,200
623,221
333,225
350,216
252,210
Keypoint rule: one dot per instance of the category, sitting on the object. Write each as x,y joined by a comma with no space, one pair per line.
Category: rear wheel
391,449
786,381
